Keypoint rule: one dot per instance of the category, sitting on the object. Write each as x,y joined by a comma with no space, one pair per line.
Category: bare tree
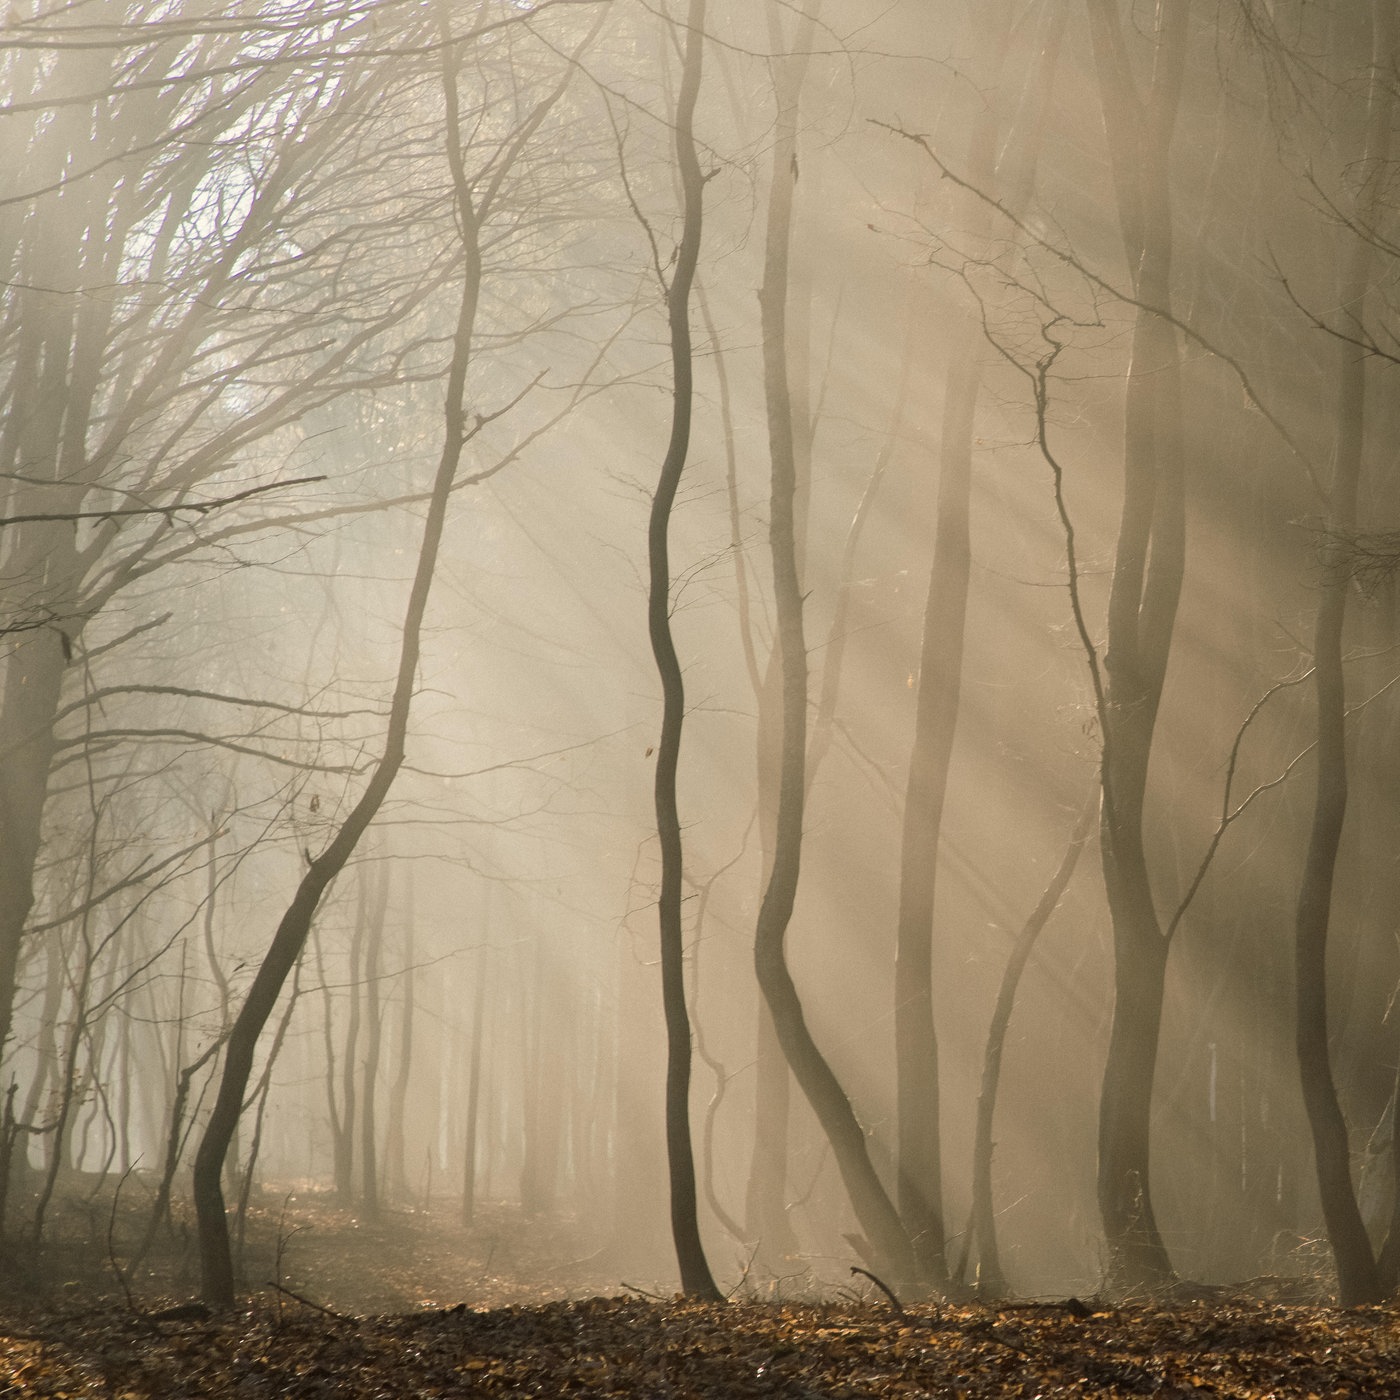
696,1278
180,210
476,196
872,1204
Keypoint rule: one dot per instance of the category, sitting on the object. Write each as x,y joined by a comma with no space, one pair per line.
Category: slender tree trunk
918,1164
696,1279
1358,1278
874,1209
333,1117
344,1145
394,1146
216,1262
469,1153
174,1145
765,1195
941,654
534,1110
216,971
1146,587
261,1093
991,1281
765,1199
369,1144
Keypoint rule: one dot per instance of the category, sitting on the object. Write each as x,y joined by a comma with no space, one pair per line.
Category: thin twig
198,507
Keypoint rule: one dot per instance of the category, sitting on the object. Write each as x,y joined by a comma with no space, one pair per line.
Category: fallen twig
883,1287
320,1308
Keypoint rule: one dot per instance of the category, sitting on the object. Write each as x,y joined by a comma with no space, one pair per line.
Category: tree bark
874,1209
696,1279
1358,1278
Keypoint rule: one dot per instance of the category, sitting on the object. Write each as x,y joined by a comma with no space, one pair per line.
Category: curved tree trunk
873,1207
1358,1278
696,1279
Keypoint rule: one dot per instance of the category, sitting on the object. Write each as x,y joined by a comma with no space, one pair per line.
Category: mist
1030,574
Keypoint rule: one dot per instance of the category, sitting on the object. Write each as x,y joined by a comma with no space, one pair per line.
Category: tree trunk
1358,1278
1146,586
991,1281
765,1194
765,1198
377,901
874,1210
394,1146
216,1262
696,1279
469,1151
344,1143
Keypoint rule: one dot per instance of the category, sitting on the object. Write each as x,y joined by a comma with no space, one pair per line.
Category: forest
755,638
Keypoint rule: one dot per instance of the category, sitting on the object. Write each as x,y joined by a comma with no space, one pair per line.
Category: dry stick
883,1287
307,1303
112,1245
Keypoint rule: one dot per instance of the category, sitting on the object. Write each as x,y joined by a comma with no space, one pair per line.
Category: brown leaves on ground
636,1347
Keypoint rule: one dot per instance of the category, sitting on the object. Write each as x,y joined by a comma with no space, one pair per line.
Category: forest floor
410,1305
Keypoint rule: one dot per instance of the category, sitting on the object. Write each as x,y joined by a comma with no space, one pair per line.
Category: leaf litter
627,1346
411,1306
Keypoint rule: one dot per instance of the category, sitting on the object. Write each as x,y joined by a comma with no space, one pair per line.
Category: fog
1089,311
